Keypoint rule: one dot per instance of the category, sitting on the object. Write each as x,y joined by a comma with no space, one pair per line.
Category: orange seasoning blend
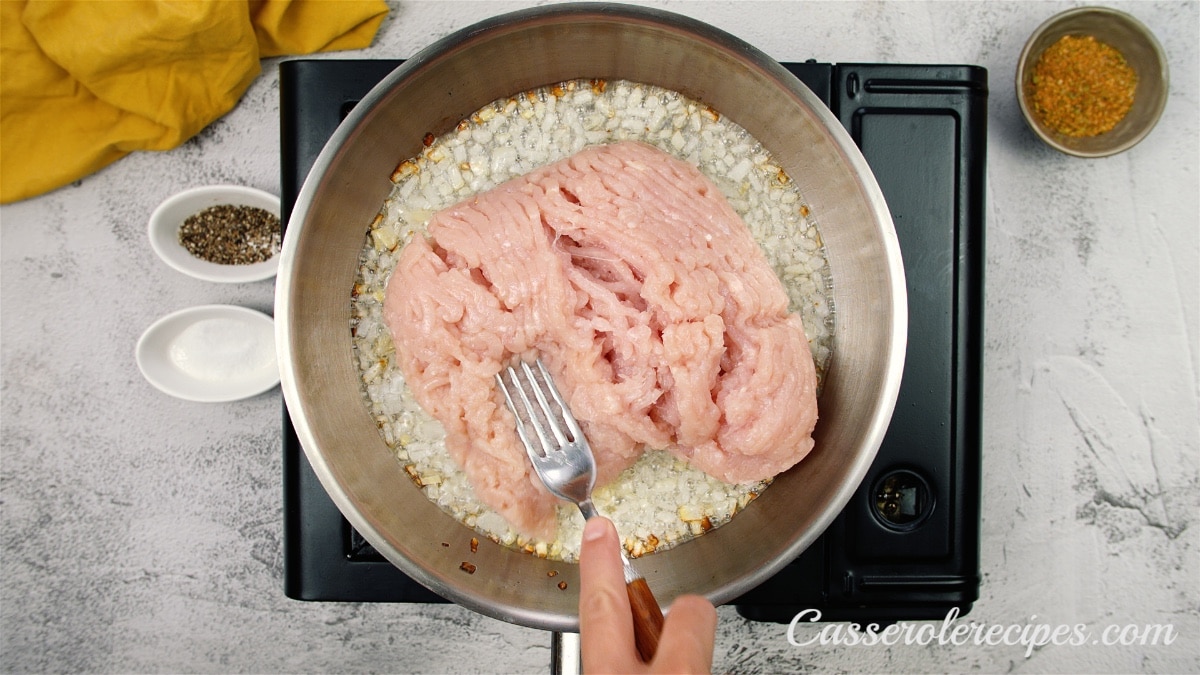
1082,87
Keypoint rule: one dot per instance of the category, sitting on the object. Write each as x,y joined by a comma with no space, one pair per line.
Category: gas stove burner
906,547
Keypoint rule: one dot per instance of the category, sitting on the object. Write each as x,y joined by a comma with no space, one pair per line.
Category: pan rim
445,48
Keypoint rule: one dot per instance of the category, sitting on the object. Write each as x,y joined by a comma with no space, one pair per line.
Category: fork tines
529,391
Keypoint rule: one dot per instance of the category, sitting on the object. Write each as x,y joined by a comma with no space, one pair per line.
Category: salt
223,349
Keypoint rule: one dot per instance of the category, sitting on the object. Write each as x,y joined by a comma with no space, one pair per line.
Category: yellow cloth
83,83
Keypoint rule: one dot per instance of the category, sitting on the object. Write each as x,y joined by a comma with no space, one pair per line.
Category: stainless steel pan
516,52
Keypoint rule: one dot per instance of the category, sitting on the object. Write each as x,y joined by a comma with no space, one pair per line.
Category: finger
605,620
688,636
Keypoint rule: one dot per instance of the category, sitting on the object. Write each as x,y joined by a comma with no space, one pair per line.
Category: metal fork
562,458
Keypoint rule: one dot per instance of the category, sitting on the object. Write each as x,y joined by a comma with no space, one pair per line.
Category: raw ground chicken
661,501
649,301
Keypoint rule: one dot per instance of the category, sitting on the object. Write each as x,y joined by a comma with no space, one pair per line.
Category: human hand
606,622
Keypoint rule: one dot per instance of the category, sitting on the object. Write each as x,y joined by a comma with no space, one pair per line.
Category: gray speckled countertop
142,533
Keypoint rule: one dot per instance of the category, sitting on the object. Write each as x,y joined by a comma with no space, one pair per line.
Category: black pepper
229,234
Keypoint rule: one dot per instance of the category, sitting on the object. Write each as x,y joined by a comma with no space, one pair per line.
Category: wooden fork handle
647,618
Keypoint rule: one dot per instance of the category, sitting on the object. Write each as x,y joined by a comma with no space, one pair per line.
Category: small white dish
169,216
210,353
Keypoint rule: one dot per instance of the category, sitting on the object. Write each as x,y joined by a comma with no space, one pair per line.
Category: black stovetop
906,547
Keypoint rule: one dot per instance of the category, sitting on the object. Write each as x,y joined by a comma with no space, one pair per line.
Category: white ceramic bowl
169,216
210,353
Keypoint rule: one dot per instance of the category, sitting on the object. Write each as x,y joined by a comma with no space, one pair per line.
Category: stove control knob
902,500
